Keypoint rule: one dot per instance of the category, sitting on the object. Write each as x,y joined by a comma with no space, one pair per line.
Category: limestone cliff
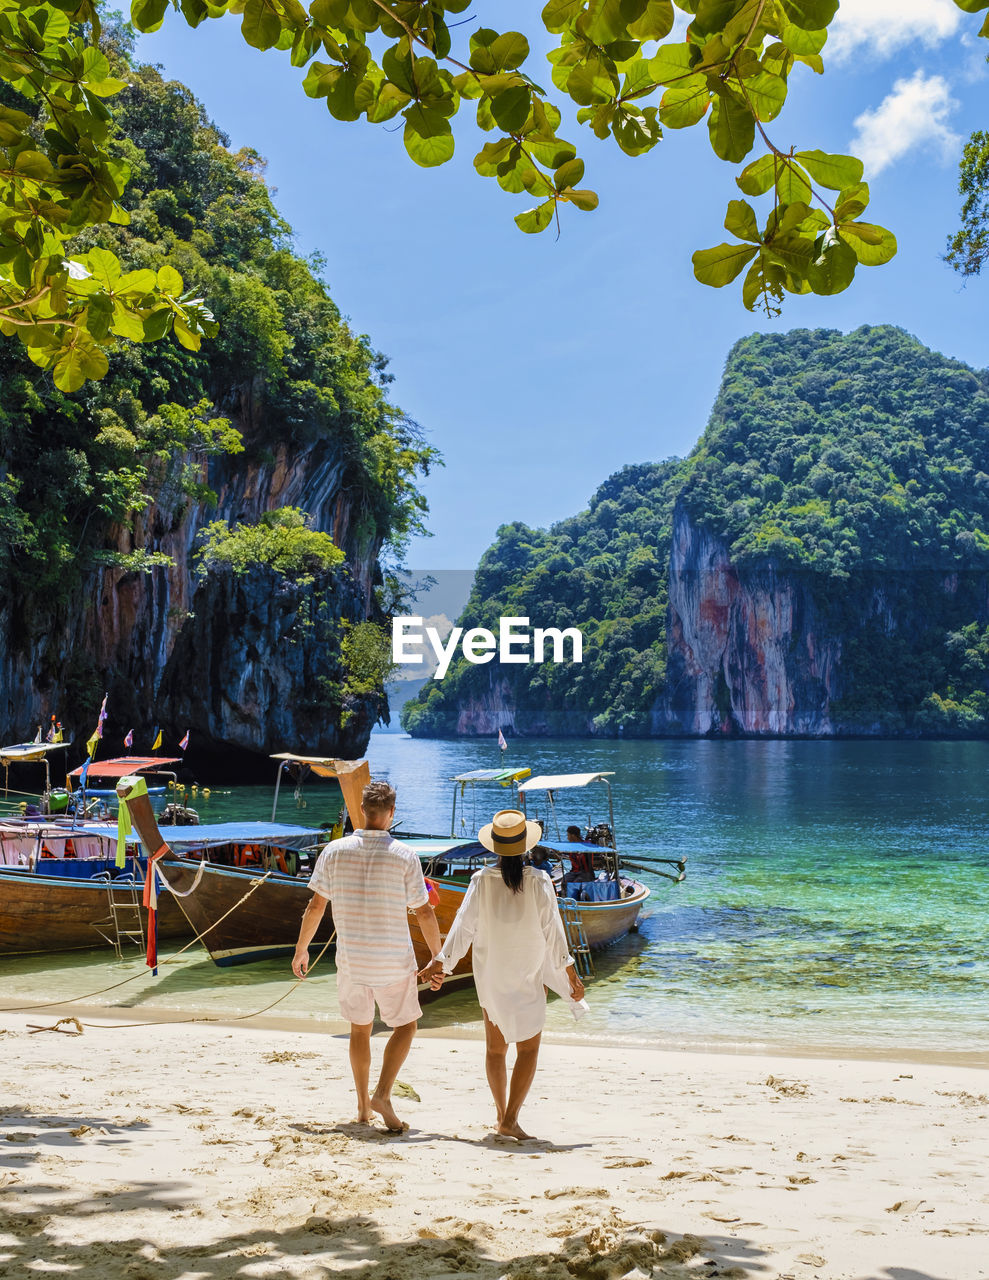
747,651
237,660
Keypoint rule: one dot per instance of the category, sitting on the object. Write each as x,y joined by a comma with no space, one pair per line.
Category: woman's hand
433,974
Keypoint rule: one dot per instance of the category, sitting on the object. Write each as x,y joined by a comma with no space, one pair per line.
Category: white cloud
915,114
884,26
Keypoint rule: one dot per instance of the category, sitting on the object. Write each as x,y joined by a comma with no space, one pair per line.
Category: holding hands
433,974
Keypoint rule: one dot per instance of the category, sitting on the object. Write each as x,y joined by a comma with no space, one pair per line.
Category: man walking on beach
373,882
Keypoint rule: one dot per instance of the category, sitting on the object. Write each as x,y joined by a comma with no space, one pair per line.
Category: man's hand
433,974
300,963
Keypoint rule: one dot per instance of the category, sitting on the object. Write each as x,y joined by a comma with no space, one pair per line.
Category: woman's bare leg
496,1047
523,1074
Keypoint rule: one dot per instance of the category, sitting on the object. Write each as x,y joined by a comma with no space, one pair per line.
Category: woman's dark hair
512,870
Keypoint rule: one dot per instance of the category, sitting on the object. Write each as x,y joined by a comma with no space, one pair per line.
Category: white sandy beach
187,1152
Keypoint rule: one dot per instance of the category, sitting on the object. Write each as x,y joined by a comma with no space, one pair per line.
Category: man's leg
360,1065
396,1051
496,1047
523,1074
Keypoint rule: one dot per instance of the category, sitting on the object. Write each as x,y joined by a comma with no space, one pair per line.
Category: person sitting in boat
541,860
581,862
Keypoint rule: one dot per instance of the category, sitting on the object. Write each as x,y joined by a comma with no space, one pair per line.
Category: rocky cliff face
747,652
234,660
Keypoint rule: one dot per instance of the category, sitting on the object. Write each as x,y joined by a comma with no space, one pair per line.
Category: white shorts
398,1003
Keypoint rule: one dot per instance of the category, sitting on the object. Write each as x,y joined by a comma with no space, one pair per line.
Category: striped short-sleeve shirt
372,881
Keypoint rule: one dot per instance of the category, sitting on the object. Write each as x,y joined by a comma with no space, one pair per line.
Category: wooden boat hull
238,926
60,913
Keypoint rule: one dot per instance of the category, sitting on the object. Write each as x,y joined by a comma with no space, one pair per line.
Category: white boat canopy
504,776
28,751
322,766
560,781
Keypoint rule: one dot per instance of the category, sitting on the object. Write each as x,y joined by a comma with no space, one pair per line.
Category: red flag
434,895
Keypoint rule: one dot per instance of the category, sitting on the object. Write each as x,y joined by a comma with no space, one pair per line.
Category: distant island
817,567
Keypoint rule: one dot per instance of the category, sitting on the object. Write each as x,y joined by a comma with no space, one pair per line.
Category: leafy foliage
382,59
286,369
968,248
859,463
282,540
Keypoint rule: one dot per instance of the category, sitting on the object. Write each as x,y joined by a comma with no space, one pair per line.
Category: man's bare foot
514,1131
387,1112
365,1116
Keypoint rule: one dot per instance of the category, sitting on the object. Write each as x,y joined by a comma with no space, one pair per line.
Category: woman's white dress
519,948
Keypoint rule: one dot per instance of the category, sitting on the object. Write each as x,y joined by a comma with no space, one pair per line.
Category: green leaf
169,281
511,108
558,14
428,137
682,105
834,269
852,202
79,361
872,245
509,51
148,15
32,164
767,93
656,22
792,183
740,220
636,132
104,267
586,200
799,40
602,21
537,219
834,172
811,15
731,127
126,323
756,178
569,174
673,62
157,324
719,266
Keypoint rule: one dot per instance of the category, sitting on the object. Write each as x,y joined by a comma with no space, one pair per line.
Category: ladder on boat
126,922
573,927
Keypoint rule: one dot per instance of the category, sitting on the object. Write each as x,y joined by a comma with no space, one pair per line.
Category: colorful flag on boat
102,717
184,744
91,745
50,735
157,742
501,741
129,740
59,733
37,736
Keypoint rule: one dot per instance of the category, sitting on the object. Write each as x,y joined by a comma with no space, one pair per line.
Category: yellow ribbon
136,787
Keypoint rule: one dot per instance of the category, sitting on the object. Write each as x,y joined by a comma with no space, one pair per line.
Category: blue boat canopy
182,839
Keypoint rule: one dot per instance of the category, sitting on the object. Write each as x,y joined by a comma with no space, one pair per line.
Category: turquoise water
836,896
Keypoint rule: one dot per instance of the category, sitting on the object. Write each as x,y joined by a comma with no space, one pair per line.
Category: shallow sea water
836,900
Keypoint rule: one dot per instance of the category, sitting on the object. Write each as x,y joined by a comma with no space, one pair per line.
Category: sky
539,366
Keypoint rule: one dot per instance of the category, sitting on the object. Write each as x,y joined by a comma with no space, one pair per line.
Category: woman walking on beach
510,917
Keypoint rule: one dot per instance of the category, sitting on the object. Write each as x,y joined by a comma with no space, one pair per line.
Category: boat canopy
436,847
122,766
560,781
322,766
21,751
504,776
209,835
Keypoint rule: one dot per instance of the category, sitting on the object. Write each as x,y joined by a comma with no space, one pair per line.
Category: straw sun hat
510,833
